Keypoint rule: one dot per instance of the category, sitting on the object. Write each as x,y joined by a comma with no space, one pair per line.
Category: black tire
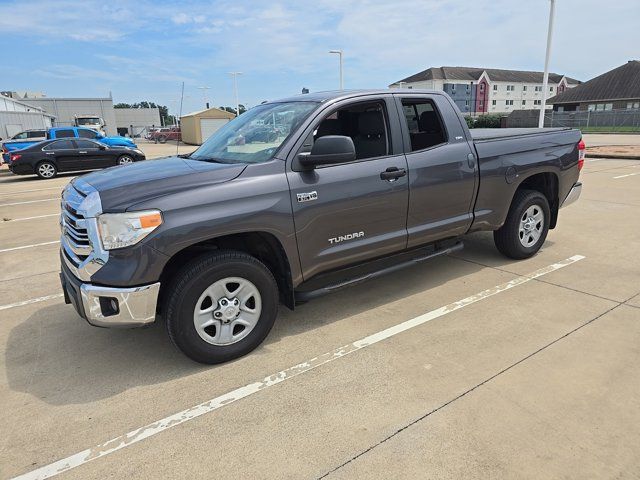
193,279
46,166
162,139
507,238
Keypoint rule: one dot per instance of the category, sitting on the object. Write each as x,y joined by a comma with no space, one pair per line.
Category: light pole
339,52
235,90
545,78
204,95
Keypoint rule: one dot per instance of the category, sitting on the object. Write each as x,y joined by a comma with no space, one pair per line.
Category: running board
416,256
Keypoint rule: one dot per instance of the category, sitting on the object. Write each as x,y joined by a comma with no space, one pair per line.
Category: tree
233,110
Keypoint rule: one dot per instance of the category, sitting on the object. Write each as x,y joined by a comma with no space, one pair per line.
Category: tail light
581,152
15,156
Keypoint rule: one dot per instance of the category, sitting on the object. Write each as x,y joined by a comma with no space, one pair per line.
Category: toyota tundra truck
354,185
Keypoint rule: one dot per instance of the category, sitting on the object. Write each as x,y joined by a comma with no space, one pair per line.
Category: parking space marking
627,175
216,403
17,192
28,246
30,301
30,218
29,201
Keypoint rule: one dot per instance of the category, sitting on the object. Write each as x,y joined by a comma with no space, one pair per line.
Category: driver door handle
391,174
82,151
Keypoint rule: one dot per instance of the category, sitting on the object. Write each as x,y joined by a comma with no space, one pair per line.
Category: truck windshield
254,136
88,121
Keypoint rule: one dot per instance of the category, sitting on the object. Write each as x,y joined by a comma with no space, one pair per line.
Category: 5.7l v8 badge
307,196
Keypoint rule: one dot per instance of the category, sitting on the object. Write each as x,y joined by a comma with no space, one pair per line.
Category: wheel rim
227,311
46,170
125,160
531,226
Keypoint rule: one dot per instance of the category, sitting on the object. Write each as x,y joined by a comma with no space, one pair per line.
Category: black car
47,158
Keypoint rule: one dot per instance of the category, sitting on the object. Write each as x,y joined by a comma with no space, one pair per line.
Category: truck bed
488,134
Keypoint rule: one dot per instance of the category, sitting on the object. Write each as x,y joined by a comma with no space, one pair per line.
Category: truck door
442,169
348,213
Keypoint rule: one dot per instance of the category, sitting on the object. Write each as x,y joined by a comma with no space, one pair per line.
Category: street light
339,52
235,90
545,78
204,95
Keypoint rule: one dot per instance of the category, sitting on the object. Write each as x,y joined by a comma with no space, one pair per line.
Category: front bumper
108,306
573,194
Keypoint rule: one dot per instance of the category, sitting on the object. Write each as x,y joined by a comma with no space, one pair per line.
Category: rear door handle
391,174
82,152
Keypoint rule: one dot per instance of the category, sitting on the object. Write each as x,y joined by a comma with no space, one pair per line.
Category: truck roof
340,94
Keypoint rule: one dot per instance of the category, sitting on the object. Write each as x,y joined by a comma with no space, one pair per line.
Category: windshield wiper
210,159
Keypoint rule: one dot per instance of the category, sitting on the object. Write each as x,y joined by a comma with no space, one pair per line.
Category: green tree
164,110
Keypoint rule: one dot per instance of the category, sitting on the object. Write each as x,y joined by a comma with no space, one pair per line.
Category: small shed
196,127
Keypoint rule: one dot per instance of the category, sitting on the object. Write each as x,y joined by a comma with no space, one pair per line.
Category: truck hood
124,186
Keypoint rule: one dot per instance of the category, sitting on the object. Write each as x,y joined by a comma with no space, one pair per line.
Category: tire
526,226
162,139
125,160
189,303
46,170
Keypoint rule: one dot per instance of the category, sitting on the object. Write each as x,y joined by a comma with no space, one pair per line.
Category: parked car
68,132
361,183
161,135
32,135
49,157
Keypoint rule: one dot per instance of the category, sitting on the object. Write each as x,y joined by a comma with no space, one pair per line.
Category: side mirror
329,150
102,147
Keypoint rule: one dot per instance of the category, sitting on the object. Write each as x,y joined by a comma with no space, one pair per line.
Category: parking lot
467,366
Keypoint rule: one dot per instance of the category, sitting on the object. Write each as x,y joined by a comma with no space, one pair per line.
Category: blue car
67,132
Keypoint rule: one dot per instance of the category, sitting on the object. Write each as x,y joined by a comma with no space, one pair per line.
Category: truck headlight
118,230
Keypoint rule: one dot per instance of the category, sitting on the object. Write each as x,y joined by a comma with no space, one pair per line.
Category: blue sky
143,50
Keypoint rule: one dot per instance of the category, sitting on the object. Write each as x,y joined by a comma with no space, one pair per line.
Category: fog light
109,306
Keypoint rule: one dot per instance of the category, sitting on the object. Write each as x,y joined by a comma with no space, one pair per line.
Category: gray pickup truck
297,198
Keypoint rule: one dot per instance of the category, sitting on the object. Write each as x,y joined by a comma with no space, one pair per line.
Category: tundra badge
348,236
307,196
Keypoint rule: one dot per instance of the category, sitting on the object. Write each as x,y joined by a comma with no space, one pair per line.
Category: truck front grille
74,227
81,247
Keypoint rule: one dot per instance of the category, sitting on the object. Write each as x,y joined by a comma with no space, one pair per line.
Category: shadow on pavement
57,357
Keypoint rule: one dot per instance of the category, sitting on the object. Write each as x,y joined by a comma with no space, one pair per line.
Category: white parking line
30,218
33,300
30,201
17,192
171,421
627,175
28,246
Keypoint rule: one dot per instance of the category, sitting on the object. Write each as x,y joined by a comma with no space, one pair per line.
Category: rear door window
60,145
424,123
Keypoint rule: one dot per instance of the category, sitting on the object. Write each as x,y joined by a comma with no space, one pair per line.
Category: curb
613,157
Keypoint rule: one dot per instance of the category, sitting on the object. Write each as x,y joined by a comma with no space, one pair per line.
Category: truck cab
93,122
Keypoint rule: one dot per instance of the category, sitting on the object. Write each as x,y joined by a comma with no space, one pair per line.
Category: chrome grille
74,227
81,247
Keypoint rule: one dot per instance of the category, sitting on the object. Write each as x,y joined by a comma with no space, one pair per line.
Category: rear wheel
46,169
526,226
221,306
125,160
162,139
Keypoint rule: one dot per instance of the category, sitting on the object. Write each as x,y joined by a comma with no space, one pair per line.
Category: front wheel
46,170
526,226
221,306
162,139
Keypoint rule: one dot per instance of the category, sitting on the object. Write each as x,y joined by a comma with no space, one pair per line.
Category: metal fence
622,121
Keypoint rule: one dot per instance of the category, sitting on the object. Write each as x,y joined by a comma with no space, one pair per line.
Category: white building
17,116
489,90
133,121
